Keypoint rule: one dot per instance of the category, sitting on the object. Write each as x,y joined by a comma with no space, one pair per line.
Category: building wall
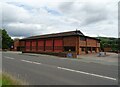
91,43
33,45
28,45
88,45
58,45
49,45
82,45
22,43
40,45
107,49
70,44
98,44
61,44
16,44
69,41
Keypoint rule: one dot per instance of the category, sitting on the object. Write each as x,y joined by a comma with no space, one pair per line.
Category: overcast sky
23,18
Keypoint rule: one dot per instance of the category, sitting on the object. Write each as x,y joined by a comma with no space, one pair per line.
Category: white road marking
9,57
87,73
36,63
26,61
31,62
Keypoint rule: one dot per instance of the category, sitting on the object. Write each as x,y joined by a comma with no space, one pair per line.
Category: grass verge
7,79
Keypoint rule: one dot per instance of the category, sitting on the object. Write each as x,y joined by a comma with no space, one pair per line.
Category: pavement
109,59
51,70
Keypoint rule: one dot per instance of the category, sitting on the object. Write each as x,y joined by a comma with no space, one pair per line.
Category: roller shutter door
34,45
27,45
49,45
41,45
58,45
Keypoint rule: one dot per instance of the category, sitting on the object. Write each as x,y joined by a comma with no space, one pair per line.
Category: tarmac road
50,70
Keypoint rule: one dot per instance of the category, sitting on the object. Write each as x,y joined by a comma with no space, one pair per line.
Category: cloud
21,29
23,18
12,13
87,13
66,7
96,13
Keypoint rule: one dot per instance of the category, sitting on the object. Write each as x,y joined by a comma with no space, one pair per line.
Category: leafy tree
6,40
109,42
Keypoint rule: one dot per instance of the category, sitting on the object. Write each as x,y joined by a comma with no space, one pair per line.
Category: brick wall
22,43
106,49
16,44
69,41
91,43
98,44
82,43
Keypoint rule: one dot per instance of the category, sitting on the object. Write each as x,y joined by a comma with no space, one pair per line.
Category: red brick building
74,41
16,45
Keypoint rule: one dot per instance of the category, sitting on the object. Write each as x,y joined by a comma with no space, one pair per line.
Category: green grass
0,79
7,79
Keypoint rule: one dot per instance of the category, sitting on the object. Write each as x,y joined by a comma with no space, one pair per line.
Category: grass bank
7,79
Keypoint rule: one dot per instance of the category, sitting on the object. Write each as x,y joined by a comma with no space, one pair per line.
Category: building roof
62,34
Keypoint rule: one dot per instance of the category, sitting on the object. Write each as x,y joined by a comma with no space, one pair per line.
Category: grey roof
62,34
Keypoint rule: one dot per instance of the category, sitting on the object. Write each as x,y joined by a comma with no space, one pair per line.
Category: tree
109,42
6,40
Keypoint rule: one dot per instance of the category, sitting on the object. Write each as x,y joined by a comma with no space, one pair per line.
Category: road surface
50,70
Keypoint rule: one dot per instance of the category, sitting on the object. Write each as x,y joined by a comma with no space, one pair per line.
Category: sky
24,18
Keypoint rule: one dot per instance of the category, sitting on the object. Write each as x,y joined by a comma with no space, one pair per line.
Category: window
89,49
69,48
93,49
82,48
82,38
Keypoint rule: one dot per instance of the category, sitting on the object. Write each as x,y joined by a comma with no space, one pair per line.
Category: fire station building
72,41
